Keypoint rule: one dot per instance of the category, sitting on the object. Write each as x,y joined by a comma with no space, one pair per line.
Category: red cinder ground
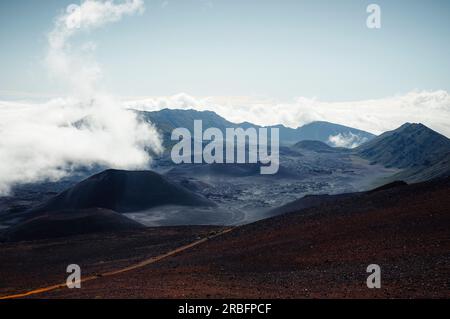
320,252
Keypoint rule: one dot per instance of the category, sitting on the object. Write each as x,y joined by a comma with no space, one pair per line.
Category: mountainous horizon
332,134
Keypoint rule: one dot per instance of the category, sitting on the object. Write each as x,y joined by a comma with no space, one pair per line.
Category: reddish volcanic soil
29,265
320,252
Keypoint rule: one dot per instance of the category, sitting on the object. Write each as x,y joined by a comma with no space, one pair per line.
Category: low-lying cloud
43,141
432,108
347,140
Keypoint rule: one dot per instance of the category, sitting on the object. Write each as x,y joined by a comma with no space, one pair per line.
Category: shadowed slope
422,153
408,146
124,191
70,223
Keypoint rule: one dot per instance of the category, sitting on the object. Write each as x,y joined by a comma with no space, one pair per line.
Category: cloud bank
432,108
89,127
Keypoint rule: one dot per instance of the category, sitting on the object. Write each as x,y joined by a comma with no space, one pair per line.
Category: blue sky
272,49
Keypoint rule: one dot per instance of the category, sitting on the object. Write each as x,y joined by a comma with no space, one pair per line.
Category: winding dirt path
143,263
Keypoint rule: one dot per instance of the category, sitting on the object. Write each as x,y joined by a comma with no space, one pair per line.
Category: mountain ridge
419,151
168,119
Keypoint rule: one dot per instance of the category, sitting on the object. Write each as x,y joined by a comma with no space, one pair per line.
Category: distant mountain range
420,152
167,120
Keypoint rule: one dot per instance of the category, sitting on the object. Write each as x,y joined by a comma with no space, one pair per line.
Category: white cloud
431,108
347,140
90,14
77,67
179,101
39,141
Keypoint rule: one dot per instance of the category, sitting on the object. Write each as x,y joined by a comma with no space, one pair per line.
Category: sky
270,49
262,61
